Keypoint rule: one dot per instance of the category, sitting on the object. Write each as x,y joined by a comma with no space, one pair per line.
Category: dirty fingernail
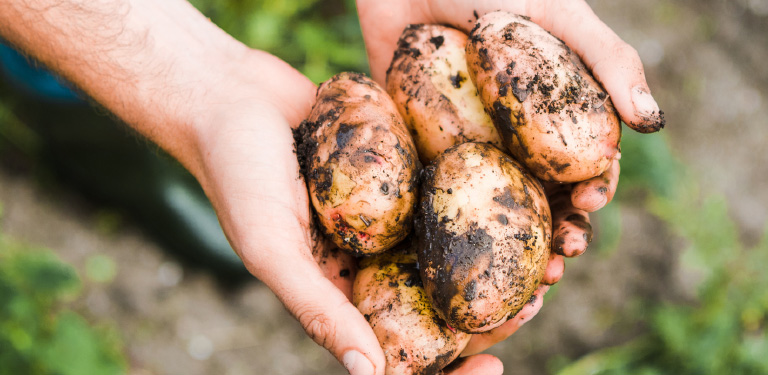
356,363
644,103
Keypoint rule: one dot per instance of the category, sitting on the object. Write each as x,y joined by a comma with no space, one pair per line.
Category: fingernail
644,103
356,363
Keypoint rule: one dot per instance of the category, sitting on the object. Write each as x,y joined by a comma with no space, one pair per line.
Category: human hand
614,64
251,175
225,112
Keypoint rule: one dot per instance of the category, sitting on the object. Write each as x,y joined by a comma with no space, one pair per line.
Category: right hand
614,63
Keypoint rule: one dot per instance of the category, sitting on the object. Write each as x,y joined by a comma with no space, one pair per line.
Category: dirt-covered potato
360,165
484,231
551,113
389,293
429,82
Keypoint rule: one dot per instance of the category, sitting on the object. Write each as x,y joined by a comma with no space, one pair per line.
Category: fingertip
648,117
618,67
555,269
593,194
573,236
354,344
328,317
357,363
621,73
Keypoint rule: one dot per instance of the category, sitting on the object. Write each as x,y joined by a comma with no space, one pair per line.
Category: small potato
389,293
552,115
429,82
484,232
360,165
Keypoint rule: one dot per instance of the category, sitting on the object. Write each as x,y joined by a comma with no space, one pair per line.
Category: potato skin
429,82
552,115
360,165
389,293
484,231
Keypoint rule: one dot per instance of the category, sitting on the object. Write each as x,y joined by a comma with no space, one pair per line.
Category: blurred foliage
320,38
14,134
724,330
38,334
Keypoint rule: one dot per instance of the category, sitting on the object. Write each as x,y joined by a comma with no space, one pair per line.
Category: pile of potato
488,116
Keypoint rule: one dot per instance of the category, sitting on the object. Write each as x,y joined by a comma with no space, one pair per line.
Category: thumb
327,315
614,63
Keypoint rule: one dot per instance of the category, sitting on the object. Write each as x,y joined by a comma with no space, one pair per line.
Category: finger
324,311
337,266
381,23
482,341
555,269
572,235
572,231
593,194
614,63
484,364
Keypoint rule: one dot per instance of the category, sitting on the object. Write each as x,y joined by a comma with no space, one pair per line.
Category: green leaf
36,337
76,349
43,274
607,229
100,268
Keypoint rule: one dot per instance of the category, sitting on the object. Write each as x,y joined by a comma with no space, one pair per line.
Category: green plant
38,333
320,38
724,330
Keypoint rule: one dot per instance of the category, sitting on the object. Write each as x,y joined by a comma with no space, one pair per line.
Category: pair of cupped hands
251,174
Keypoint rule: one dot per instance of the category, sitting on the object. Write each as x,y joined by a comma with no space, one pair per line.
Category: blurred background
112,263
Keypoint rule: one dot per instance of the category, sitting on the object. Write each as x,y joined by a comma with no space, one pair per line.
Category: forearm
158,65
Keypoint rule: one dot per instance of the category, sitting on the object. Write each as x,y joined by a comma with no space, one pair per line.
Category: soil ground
705,62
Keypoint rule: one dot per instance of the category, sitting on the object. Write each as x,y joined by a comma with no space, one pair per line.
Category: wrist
161,66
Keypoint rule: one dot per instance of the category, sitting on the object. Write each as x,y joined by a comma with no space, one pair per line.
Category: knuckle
623,50
618,54
318,326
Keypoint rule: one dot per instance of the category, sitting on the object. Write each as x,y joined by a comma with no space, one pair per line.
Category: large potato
484,232
389,293
552,115
360,165
429,82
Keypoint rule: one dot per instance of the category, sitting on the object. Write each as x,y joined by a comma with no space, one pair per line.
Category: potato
360,165
389,293
484,232
429,82
552,115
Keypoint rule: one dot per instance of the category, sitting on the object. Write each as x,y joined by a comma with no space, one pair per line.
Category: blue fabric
35,80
